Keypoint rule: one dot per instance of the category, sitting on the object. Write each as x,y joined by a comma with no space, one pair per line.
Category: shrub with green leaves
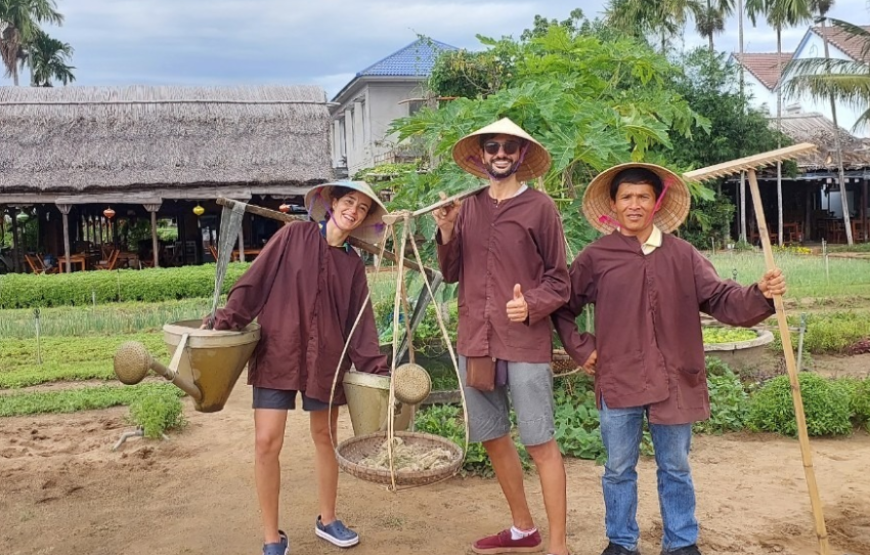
829,332
578,432
728,400
826,405
860,403
84,288
157,412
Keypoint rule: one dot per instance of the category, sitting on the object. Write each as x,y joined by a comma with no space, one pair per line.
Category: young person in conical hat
506,249
647,354
306,288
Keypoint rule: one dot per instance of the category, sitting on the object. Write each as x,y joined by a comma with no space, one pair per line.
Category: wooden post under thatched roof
152,145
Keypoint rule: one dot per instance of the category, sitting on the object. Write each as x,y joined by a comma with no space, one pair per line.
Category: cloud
324,42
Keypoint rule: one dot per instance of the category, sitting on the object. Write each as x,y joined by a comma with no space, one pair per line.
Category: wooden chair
858,233
35,264
110,263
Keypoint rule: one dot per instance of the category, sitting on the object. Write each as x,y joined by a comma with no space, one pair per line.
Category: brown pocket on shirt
480,373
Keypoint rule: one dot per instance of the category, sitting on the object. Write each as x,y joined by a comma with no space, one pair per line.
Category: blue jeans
621,430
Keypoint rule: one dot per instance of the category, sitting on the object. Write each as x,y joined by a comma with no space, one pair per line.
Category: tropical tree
710,18
48,60
664,18
592,103
19,23
848,81
779,14
821,7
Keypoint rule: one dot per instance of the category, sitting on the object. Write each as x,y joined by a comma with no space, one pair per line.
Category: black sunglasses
509,147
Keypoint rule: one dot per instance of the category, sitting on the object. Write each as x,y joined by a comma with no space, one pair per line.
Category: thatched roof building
817,129
155,152
80,143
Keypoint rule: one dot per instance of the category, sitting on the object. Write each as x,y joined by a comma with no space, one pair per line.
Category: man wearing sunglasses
506,248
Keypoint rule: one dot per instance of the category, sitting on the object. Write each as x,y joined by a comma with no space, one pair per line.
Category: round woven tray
353,450
562,365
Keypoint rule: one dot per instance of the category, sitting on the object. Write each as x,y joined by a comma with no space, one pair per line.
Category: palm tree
822,7
845,80
663,17
710,19
21,19
47,58
779,14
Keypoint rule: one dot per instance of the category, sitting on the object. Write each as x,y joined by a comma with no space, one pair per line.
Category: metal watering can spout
133,361
205,363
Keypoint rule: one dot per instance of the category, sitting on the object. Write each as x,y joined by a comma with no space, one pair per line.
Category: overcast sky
323,42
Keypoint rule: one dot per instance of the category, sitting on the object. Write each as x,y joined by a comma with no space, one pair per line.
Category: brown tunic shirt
647,323
495,246
305,296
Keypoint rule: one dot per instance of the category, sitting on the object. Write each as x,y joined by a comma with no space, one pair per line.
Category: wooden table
80,259
129,260
249,254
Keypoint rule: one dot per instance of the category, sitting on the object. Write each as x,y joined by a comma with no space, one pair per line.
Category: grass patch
101,319
66,358
805,274
74,400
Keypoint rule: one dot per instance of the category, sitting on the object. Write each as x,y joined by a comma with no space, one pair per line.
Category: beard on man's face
500,173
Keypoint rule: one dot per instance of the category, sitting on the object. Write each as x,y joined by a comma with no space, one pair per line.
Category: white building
375,97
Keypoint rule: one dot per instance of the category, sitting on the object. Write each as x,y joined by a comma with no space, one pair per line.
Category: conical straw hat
672,211
466,151
318,201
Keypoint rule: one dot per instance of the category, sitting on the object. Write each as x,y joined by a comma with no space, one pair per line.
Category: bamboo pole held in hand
803,436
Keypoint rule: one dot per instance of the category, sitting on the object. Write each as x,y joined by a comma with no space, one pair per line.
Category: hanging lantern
198,210
109,213
284,208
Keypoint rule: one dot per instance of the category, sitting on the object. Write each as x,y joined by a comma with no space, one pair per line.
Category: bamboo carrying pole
806,454
290,218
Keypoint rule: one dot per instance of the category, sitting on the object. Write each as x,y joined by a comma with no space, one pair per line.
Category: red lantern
284,208
109,213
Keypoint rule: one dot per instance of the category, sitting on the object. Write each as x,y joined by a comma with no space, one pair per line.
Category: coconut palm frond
856,32
850,88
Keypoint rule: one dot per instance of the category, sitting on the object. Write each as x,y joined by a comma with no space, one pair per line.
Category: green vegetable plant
826,404
156,413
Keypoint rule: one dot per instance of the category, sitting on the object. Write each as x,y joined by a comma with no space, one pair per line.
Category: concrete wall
360,124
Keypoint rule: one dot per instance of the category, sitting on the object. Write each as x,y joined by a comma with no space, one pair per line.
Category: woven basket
353,450
562,364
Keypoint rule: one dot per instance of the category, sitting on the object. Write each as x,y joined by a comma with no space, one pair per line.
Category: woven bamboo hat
672,205
319,203
534,164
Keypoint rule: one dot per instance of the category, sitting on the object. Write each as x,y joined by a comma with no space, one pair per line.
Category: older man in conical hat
647,354
506,249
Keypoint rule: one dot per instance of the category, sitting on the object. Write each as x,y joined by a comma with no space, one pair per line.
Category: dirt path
63,491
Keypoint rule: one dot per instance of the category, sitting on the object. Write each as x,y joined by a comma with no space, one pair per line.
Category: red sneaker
504,543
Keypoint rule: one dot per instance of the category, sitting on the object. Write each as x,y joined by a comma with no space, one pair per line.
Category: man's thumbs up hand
517,309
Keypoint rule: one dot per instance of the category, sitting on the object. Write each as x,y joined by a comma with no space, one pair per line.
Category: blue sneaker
336,533
280,548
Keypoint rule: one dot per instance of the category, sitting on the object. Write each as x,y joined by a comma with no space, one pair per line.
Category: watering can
205,363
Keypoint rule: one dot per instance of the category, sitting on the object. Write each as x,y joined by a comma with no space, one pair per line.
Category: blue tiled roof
416,59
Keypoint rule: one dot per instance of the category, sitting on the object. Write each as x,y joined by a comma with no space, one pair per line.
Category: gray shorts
284,399
530,386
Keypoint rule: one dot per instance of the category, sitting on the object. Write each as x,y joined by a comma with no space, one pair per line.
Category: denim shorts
285,399
530,388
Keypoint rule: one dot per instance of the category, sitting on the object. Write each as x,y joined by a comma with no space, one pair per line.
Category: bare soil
64,491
